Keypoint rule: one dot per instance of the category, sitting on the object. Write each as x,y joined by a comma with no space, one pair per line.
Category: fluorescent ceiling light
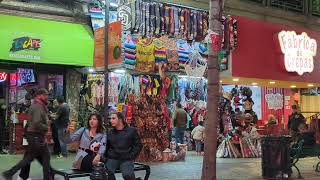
272,82
184,76
114,4
91,70
235,79
120,71
254,84
310,85
293,86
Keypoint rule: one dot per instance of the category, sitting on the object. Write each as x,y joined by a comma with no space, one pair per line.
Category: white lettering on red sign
298,51
3,76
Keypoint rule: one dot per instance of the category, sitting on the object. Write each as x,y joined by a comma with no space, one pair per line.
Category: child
198,135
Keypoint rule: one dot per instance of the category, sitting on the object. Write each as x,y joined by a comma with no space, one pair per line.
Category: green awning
43,41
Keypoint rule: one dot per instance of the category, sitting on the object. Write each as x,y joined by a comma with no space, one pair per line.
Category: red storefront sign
259,54
3,76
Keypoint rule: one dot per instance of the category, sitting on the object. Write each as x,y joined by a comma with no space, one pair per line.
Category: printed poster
114,45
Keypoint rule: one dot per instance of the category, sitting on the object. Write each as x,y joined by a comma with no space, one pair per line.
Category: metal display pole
106,69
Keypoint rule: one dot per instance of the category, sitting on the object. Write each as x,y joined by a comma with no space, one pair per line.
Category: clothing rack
183,6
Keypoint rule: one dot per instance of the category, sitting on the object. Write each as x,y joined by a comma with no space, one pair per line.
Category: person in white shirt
198,135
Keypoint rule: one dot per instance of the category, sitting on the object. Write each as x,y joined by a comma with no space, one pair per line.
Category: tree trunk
209,161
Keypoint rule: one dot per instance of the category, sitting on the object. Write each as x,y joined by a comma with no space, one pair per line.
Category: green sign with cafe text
43,41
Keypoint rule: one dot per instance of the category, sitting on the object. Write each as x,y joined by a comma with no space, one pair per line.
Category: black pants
56,144
36,149
2,134
86,164
1,138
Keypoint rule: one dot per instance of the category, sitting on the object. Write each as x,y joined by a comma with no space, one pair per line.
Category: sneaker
59,156
6,176
2,152
20,178
62,157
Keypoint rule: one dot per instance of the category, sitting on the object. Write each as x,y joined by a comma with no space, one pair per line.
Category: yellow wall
310,104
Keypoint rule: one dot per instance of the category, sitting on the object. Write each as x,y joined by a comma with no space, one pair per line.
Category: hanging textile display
148,118
172,53
126,87
196,66
124,13
183,52
160,52
145,55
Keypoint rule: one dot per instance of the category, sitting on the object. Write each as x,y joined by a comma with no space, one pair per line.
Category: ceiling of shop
267,83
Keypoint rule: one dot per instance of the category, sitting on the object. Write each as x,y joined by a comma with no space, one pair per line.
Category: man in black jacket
295,120
123,146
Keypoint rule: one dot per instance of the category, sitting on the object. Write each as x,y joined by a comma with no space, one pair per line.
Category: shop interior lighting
254,84
310,85
112,4
91,70
220,81
293,86
184,76
272,82
119,71
235,79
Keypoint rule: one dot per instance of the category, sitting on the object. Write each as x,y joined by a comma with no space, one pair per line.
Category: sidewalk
227,169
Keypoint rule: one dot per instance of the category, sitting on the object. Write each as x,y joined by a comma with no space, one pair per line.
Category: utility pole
106,63
209,161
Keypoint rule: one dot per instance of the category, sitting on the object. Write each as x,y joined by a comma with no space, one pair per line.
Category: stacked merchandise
130,51
238,130
228,149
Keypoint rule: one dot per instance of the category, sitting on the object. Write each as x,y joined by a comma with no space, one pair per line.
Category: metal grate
316,7
289,5
257,1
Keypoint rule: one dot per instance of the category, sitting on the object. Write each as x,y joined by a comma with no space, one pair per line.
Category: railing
258,1
315,7
307,7
289,5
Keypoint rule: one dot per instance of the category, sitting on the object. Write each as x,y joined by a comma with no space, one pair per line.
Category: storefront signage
298,50
25,43
3,76
274,101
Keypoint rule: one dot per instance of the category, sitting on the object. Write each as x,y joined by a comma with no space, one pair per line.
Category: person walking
52,110
197,135
295,120
123,147
179,123
35,132
2,128
61,123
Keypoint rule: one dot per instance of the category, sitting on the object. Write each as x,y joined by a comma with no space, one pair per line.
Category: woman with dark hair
92,143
